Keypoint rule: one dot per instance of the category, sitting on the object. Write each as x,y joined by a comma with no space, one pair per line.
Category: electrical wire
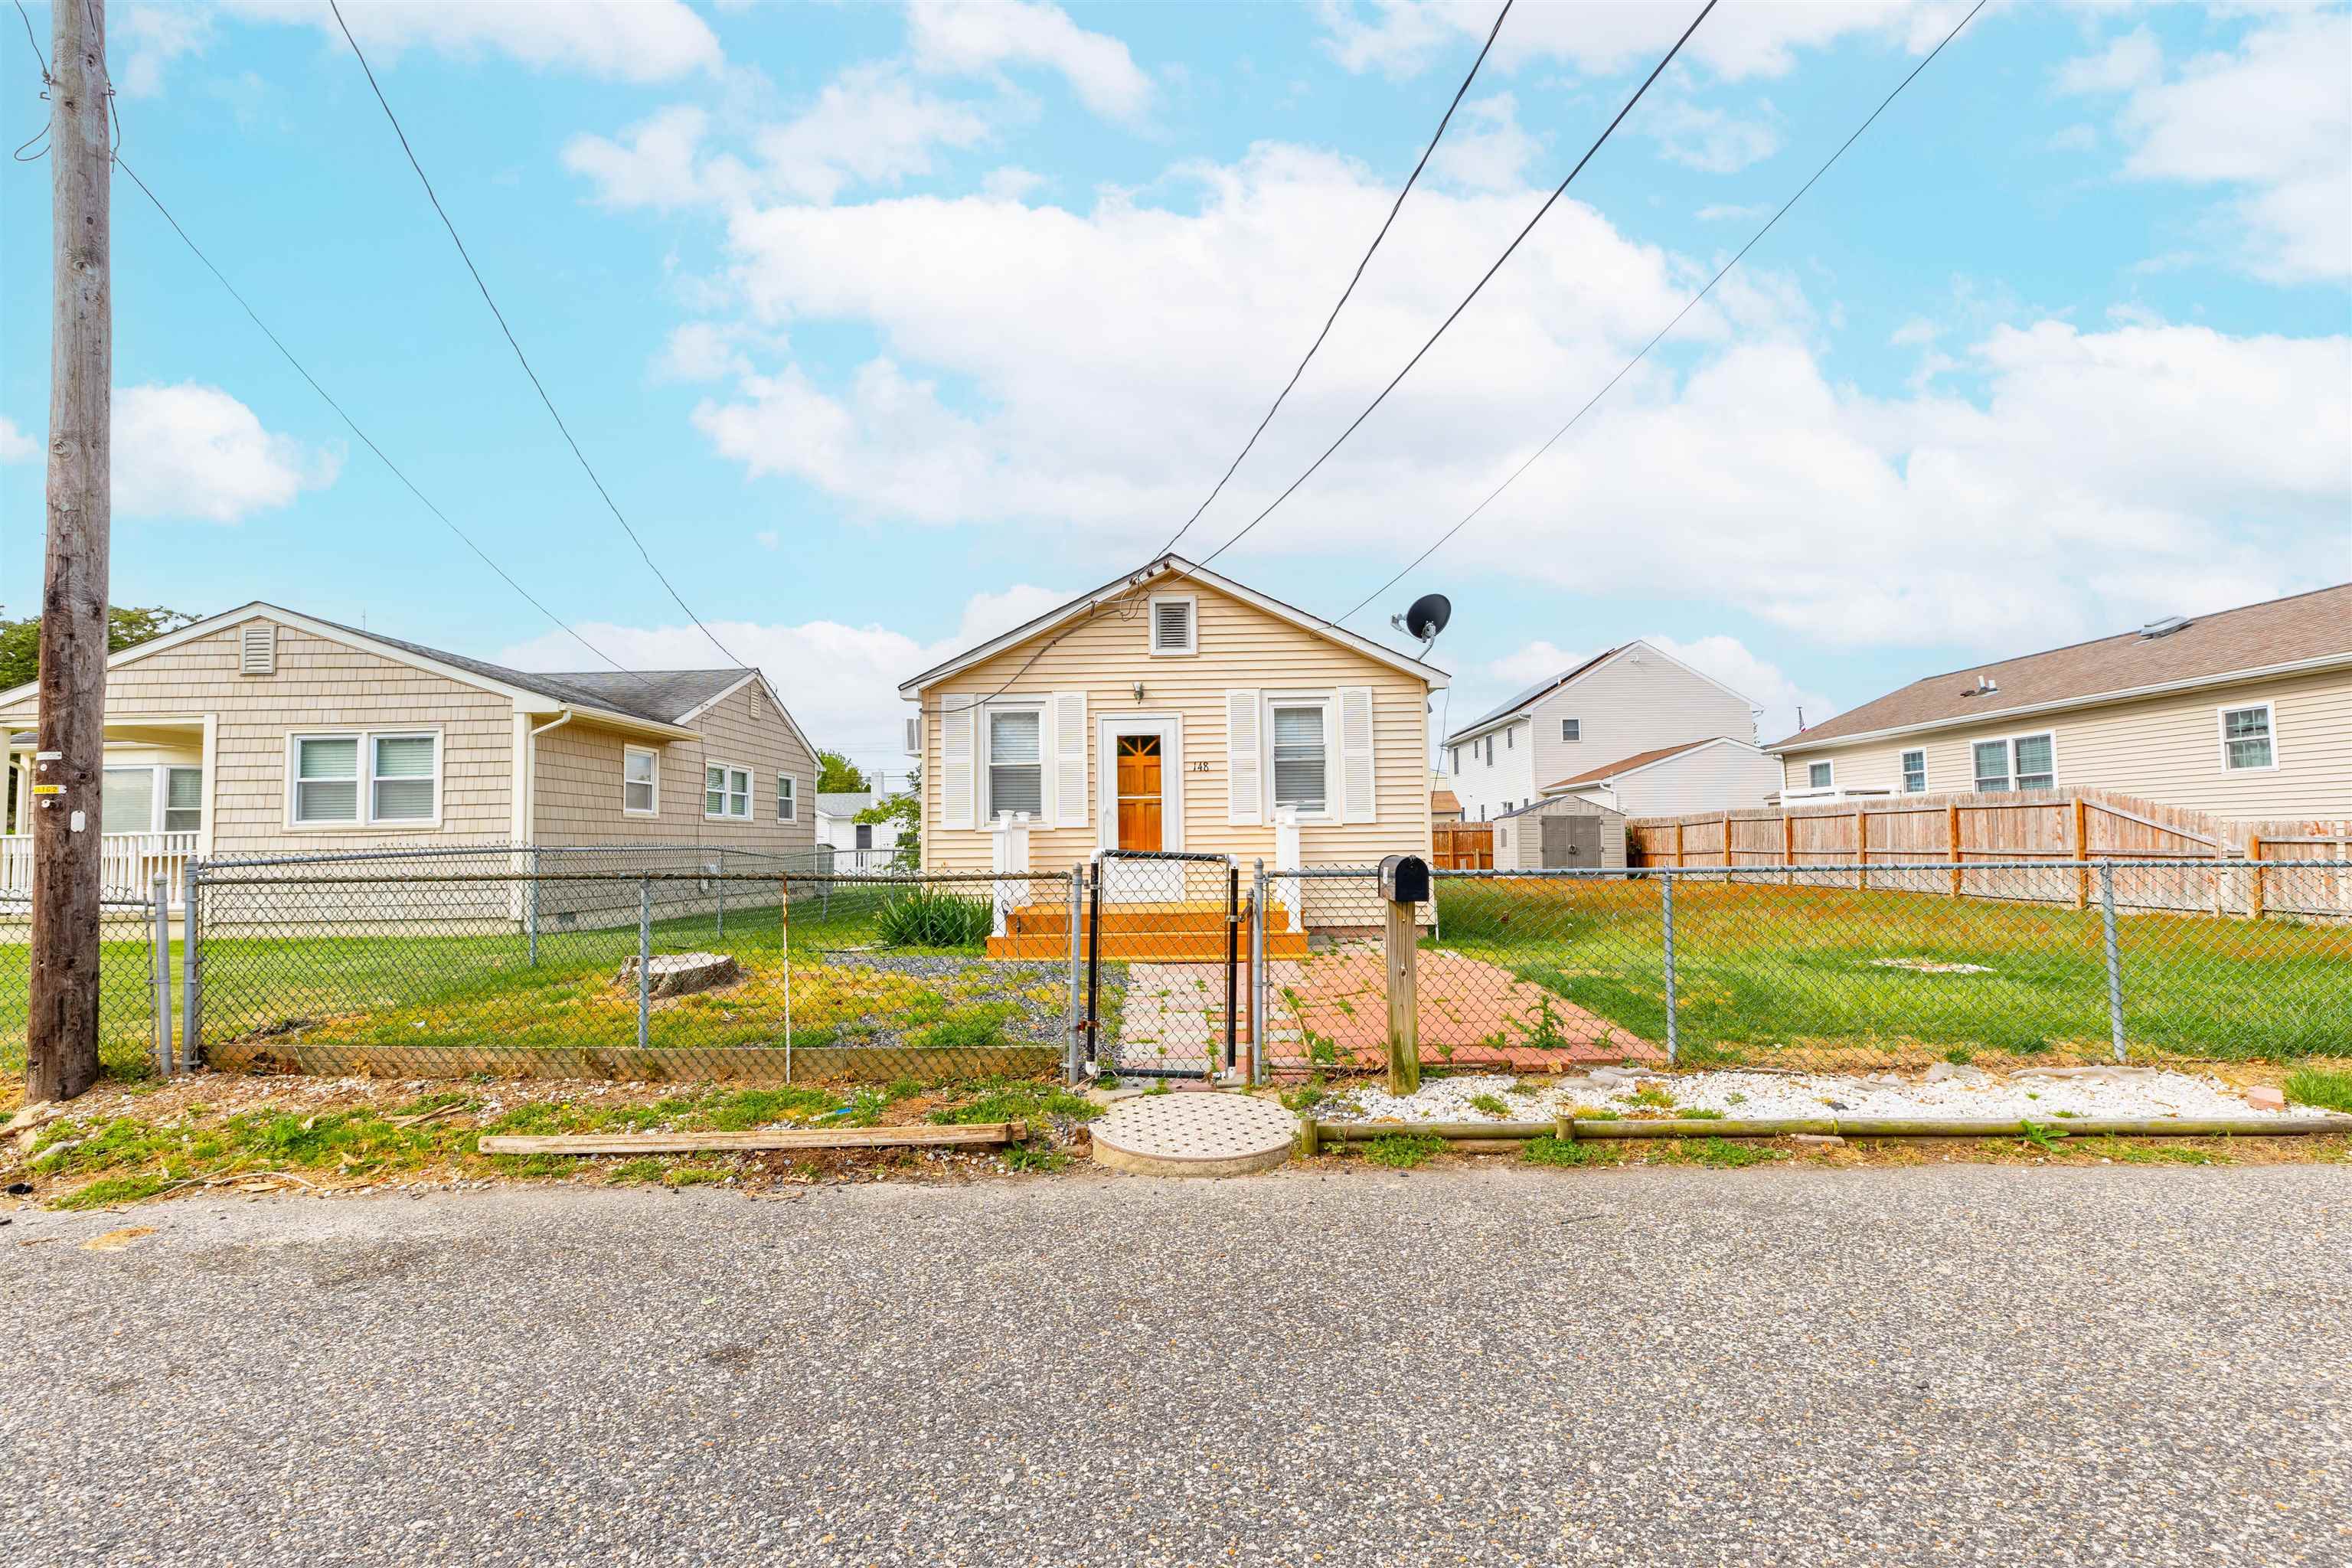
520,357
1556,193
1670,326
1345,293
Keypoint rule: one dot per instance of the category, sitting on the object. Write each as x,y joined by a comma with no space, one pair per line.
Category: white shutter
1244,791
955,762
915,736
1070,759
1356,754
257,651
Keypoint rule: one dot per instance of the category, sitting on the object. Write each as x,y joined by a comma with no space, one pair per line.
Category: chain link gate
1167,964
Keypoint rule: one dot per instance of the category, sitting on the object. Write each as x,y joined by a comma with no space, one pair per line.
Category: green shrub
926,919
1403,1153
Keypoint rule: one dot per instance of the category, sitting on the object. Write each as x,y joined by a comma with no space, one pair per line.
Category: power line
367,440
1670,326
523,359
1358,278
1556,193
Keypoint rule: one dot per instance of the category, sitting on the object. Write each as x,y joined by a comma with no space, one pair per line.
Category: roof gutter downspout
531,781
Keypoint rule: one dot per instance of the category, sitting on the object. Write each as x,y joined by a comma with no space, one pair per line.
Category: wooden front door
1141,791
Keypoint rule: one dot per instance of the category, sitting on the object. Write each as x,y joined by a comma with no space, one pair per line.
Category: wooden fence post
2082,852
1404,1014
2254,888
1861,847
1789,843
1678,845
1952,840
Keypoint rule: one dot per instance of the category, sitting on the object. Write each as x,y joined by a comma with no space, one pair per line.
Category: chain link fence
1166,951
134,992
604,964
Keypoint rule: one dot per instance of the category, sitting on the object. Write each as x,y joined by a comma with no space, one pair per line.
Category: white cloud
16,446
959,37
152,36
194,451
2272,117
840,681
1401,37
1011,183
1485,148
769,539
1765,684
1075,378
702,351
1713,141
870,125
625,40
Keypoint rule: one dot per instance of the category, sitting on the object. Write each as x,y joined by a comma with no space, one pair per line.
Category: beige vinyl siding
2163,749
319,686
1626,708
1711,778
578,795
1240,646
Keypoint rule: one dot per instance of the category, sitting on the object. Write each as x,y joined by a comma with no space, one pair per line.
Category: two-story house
1621,704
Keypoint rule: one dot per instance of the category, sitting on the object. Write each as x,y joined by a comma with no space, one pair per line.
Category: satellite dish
1428,616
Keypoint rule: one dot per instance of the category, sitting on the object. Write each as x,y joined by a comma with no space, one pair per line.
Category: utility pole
69,768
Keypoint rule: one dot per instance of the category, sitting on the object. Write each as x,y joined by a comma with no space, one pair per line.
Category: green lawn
1761,968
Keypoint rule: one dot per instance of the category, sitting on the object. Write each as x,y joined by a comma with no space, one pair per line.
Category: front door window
1139,794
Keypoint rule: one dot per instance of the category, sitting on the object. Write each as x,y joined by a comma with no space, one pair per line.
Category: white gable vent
1173,630
256,652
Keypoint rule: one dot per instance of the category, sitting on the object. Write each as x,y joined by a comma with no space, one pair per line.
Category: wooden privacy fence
1855,835
1462,845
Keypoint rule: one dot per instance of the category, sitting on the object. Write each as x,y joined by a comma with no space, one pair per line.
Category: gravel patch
1951,1093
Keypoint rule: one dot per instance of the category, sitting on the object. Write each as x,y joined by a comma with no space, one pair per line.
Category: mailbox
1404,880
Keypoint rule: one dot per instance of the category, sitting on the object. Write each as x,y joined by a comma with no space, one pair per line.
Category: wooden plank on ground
920,1134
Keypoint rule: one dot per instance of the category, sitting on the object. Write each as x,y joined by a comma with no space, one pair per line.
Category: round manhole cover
1194,1135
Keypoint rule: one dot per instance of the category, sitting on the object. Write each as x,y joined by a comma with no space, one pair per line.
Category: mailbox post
1405,883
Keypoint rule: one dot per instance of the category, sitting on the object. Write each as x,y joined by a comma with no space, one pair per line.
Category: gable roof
662,699
1445,800
845,803
1173,567
1571,676
2310,630
1624,765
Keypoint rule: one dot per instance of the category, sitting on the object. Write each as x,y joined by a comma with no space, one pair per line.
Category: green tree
837,774
126,626
904,811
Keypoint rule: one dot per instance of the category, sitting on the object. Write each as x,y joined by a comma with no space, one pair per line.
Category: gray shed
1558,834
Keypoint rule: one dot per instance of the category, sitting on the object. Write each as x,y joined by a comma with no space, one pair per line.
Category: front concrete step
1148,947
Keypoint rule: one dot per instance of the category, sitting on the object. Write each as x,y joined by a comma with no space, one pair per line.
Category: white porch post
1287,858
1008,838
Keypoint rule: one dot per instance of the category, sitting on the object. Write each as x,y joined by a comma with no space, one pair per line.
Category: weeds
1550,1151
1400,1152
1492,1104
2319,1087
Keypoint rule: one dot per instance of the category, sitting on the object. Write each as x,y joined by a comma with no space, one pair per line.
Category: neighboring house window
788,804
1571,729
370,779
1172,624
1299,758
1914,773
1455,756
640,782
865,836
726,793
1819,774
1490,751
1016,770
2022,762
2246,738
1507,734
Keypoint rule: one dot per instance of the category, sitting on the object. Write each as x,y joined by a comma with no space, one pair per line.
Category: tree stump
677,974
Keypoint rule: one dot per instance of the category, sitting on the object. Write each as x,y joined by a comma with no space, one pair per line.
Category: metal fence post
2114,963
645,957
534,906
1666,905
160,975
1075,1066
1258,1069
191,968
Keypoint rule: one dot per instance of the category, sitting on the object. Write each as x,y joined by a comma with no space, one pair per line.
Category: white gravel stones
2101,1092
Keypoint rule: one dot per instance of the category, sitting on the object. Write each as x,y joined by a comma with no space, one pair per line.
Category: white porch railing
127,863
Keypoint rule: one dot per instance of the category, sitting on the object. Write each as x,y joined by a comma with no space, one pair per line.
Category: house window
2246,738
1172,628
2022,762
400,777
364,780
1016,770
1914,773
1992,766
1454,758
726,794
640,782
1507,734
127,801
865,836
1571,729
1299,758
183,800
327,778
1490,751
787,799
1819,774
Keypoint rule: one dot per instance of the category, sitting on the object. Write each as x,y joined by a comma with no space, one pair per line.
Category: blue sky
889,326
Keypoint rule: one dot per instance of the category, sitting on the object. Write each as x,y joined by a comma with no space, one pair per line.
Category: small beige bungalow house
2243,714
266,732
1173,710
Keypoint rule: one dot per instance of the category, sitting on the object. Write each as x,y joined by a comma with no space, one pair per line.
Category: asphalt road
1948,1365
